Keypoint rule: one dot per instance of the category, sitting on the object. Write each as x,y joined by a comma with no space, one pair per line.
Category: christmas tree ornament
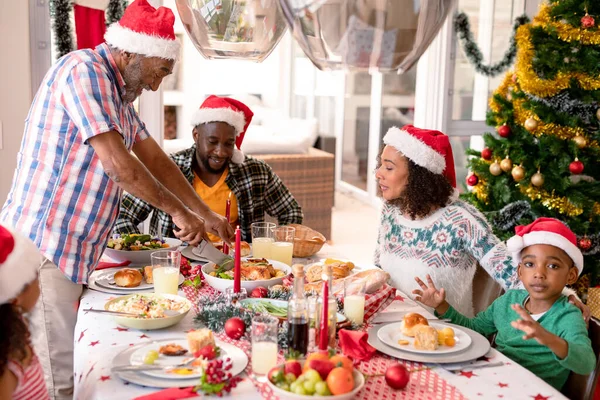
397,376
598,113
472,180
585,243
504,131
518,173
531,124
576,167
587,21
506,164
235,328
495,168
486,154
580,141
537,179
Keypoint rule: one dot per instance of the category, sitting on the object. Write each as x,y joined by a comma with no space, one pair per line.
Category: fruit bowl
359,383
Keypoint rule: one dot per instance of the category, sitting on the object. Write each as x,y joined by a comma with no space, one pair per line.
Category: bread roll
128,277
148,274
374,279
411,322
339,270
199,338
244,248
426,338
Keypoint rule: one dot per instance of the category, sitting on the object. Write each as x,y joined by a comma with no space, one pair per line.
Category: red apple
397,376
292,367
323,367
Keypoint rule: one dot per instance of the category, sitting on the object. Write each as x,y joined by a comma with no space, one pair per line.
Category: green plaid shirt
257,188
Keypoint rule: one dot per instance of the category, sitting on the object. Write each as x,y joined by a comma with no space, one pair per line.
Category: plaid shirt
257,189
60,197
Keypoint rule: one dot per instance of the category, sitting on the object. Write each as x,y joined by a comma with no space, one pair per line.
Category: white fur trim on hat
19,269
138,43
225,114
414,149
517,243
238,156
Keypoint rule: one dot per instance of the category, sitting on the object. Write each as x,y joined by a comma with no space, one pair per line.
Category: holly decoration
235,328
585,243
486,154
185,267
504,131
217,379
472,180
209,352
397,376
587,21
576,167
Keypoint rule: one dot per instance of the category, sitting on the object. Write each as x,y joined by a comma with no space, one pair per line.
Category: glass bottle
327,276
298,314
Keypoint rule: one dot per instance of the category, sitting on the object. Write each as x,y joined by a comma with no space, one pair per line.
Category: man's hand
218,225
585,310
191,227
431,296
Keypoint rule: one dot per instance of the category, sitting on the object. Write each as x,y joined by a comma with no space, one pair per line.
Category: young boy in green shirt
555,339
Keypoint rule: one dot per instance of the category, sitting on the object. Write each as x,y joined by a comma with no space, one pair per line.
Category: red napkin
104,264
354,345
170,394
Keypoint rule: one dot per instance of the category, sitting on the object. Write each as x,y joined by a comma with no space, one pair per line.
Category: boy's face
545,270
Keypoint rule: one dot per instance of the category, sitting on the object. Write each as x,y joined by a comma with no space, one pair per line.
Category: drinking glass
354,300
165,271
262,238
264,344
282,249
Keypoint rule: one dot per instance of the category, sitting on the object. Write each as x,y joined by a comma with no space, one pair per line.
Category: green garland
60,12
463,30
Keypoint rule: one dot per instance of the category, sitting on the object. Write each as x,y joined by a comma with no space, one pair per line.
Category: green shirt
562,319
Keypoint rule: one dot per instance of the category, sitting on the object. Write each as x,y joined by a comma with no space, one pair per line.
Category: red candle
228,217
237,271
324,327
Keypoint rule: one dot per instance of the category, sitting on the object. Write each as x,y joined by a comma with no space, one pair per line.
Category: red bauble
486,153
587,21
472,180
397,376
585,243
235,328
576,167
259,292
504,131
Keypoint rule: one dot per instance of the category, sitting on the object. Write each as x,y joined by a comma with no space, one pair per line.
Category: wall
15,85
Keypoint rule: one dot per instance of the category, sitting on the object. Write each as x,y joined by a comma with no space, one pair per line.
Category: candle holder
234,298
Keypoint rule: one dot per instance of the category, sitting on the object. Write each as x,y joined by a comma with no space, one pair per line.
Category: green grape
293,386
149,359
284,386
154,353
312,376
309,387
321,389
300,390
289,378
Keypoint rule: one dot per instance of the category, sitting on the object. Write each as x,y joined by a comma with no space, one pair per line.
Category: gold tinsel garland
529,80
501,90
552,202
566,32
480,191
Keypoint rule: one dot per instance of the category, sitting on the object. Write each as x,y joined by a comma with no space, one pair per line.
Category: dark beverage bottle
298,314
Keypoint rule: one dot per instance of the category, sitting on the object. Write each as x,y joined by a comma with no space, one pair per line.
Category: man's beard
206,164
132,75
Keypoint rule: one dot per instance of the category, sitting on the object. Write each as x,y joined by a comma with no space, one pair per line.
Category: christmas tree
543,159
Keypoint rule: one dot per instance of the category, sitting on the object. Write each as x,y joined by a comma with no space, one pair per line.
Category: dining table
99,339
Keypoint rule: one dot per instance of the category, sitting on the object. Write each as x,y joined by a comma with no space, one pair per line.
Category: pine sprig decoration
279,292
115,11
510,216
61,24
462,27
282,335
215,311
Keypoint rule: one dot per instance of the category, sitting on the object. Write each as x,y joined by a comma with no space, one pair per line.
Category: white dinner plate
114,289
106,276
390,334
238,357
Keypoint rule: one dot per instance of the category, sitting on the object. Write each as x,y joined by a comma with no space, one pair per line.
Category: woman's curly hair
425,191
14,335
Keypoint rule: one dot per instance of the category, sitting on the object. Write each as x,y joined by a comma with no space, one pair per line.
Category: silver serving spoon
168,313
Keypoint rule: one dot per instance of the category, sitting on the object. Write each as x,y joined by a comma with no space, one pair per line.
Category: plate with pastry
127,279
178,360
418,335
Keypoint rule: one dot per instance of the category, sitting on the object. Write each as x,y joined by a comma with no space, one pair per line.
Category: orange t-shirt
215,198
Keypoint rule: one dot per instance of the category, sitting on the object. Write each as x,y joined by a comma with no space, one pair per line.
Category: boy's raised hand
532,328
430,295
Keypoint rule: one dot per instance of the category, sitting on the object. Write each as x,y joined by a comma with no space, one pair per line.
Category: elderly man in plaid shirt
218,171
75,161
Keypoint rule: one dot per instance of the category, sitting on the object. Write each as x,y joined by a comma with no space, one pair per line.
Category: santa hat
546,231
19,263
427,148
230,111
145,30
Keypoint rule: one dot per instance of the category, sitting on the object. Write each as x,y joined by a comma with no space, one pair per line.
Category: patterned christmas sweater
446,245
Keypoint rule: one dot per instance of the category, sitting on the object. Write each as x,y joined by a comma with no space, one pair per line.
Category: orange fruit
450,341
342,361
340,381
314,356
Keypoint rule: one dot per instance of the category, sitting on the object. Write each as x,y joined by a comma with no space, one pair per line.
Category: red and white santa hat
546,231
230,111
425,147
145,30
19,263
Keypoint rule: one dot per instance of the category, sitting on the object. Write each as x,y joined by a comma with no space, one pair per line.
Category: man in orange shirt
218,170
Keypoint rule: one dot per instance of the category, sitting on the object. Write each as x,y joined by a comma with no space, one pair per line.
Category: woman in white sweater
425,229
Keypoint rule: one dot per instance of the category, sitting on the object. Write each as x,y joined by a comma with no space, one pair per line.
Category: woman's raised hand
429,294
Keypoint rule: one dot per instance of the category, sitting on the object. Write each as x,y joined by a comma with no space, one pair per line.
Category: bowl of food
255,272
322,383
150,310
137,248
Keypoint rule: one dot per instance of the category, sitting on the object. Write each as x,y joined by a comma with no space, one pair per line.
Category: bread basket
306,241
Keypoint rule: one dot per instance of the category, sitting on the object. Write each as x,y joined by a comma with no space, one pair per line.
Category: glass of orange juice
282,248
262,238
